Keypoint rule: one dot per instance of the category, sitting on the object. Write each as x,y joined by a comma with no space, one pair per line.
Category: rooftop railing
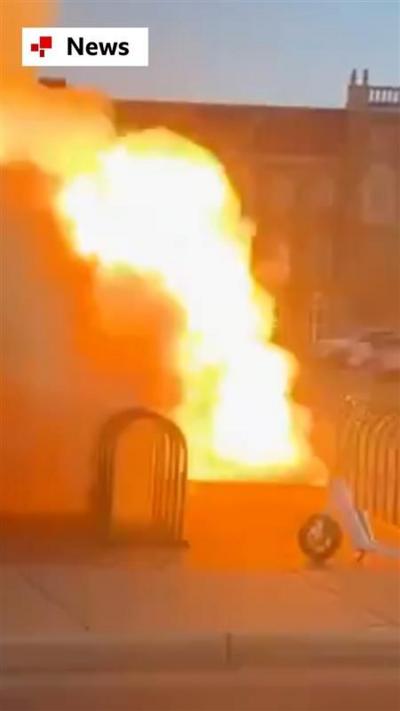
386,95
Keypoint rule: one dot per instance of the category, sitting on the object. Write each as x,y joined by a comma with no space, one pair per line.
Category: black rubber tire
330,540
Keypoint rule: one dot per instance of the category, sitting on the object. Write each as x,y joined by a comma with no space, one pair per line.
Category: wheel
320,537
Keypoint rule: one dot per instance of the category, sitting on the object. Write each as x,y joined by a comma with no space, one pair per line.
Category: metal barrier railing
168,473
368,456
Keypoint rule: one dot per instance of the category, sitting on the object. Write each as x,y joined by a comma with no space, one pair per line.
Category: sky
243,51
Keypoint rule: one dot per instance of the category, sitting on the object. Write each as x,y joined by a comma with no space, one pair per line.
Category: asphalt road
292,689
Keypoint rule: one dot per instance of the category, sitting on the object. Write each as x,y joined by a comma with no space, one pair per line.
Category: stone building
323,187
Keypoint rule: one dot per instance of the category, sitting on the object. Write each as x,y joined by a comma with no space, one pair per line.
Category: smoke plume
74,346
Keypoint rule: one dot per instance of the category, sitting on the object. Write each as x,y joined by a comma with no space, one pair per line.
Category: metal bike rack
168,474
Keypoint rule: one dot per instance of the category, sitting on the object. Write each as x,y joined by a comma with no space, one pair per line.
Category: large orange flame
163,207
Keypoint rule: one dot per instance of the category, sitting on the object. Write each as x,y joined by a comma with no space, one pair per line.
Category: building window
378,195
280,193
321,193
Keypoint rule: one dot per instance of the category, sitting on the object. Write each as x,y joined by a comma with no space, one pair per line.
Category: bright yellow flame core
163,207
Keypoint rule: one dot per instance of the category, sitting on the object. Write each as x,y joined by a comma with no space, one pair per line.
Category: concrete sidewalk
154,601
156,594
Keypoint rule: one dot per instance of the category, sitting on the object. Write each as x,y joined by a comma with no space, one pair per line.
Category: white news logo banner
85,46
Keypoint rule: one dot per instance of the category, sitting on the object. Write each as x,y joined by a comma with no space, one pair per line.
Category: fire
161,206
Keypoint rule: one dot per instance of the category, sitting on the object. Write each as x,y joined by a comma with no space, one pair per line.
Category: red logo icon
41,46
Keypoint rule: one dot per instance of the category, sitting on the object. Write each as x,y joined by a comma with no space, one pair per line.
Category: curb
110,655
187,654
